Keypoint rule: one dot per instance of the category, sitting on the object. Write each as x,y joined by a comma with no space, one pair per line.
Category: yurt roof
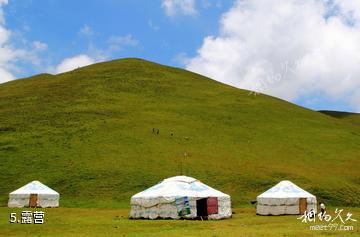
285,189
179,186
34,187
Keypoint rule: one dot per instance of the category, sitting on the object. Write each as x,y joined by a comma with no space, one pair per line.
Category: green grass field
114,222
88,135
344,116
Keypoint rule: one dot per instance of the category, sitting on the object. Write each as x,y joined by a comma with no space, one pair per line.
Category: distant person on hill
322,209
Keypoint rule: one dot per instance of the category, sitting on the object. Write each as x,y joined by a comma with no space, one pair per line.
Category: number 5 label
12,217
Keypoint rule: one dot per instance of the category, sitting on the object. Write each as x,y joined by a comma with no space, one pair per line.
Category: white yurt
180,197
34,194
285,198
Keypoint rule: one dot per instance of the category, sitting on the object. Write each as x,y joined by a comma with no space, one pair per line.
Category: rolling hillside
346,116
89,135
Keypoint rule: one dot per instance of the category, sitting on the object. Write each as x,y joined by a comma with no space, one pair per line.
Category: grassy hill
346,116
89,135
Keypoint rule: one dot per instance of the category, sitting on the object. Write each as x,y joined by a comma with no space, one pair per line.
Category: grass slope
346,116
114,222
88,134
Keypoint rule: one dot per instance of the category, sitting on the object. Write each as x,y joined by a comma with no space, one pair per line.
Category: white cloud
118,42
2,19
7,54
95,54
5,76
72,63
114,44
13,59
286,48
153,26
175,7
211,3
40,46
350,8
86,30
181,59
11,55
355,100
4,35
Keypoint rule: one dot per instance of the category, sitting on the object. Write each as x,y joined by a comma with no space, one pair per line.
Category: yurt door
33,200
212,205
302,205
201,207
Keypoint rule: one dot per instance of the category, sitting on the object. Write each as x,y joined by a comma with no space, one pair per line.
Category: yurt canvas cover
180,197
34,194
285,198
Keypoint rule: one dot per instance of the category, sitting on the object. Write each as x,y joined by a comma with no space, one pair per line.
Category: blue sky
255,45
61,26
